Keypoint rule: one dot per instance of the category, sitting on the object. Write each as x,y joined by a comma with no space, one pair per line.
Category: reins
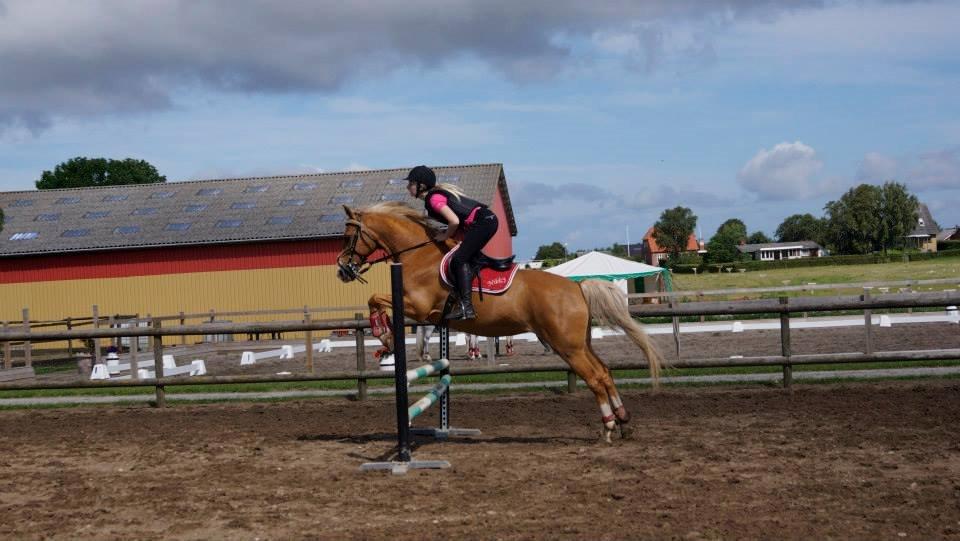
355,271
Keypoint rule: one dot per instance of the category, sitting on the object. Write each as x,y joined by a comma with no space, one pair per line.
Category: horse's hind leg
595,375
616,403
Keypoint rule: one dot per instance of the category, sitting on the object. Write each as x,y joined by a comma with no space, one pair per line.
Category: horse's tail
608,305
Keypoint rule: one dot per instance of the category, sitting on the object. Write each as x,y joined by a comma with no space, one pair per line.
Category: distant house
653,254
950,233
924,235
774,251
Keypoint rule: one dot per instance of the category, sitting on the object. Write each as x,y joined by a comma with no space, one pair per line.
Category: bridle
353,270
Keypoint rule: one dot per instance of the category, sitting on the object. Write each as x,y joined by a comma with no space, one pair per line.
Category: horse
557,309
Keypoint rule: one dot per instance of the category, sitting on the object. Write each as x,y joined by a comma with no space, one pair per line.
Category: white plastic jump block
100,371
247,358
168,362
387,363
737,327
325,346
198,368
113,359
286,352
953,313
143,373
596,332
460,340
884,320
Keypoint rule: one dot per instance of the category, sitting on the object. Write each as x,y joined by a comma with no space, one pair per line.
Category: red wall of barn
169,260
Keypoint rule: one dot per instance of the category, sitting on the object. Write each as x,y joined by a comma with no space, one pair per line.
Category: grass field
838,274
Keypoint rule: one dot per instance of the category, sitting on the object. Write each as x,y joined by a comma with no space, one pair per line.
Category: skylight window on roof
177,226
93,215
116,197
75,233
127,230
68,200
256,189
198,207
396,181
22,203
393,196
293,202
332,218
47,218
305,186
280,220
26,235
449,179
229,223
341,199
351,183
145,211
209,191
162,195
244,205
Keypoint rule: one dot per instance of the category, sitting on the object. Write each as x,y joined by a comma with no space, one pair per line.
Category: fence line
785,289
781,306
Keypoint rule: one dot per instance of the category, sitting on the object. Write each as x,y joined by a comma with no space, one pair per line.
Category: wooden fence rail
782,306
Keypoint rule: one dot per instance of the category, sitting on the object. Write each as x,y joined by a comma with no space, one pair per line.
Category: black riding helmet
423,177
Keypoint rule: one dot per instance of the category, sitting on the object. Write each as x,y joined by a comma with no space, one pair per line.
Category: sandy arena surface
864,461
849,461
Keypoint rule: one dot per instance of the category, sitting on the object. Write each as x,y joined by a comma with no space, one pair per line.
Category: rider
448,204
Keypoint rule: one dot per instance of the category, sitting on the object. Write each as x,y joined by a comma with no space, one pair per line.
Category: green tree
673,229
898,211
84,172
799,227
758,237
551,251
722,247
854,221
870,218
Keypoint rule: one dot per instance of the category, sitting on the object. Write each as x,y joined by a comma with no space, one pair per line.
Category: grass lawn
836,274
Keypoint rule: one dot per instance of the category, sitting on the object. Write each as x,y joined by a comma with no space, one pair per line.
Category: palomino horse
557,309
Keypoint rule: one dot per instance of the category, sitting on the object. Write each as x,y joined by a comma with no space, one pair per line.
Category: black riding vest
462,207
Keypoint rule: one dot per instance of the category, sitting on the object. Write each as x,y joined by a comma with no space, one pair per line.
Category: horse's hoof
605,435
626,431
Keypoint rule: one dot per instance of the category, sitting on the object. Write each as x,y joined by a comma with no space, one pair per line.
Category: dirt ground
856,461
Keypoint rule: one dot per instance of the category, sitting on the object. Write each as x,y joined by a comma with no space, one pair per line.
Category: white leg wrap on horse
615,400
608,418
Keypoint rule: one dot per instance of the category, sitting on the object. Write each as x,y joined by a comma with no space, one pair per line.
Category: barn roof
214,211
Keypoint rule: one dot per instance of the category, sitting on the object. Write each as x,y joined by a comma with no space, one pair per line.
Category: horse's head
392,227
359,242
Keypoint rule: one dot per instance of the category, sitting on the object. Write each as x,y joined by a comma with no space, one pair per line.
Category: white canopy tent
600,266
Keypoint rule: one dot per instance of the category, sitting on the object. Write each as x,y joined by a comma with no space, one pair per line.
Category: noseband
353,270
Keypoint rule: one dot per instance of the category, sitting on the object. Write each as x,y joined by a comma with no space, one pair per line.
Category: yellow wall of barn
167,295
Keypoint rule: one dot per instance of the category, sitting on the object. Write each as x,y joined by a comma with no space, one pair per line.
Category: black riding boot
464,308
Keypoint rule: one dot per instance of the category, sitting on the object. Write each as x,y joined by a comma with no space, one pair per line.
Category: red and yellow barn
229,245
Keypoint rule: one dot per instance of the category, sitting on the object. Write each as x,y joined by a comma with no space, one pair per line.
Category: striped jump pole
444,431
427,369
429,399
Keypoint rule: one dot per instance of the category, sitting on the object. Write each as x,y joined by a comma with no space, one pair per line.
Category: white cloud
938,169
787,171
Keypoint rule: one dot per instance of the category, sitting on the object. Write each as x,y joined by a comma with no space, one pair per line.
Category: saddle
490,275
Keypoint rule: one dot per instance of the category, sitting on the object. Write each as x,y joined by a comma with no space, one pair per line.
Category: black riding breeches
476,236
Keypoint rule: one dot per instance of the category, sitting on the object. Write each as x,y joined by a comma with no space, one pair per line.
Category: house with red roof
653,253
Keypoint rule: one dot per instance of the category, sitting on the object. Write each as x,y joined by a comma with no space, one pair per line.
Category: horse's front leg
380,321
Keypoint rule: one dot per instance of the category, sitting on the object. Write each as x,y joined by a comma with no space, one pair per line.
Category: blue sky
603,113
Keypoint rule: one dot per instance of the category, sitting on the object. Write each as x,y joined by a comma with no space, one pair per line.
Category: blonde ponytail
454,190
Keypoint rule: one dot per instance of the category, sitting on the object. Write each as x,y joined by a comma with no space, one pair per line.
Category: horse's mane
396,208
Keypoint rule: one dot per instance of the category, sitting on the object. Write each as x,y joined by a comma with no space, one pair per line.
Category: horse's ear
349,211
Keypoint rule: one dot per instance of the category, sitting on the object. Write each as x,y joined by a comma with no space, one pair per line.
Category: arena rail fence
783,306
